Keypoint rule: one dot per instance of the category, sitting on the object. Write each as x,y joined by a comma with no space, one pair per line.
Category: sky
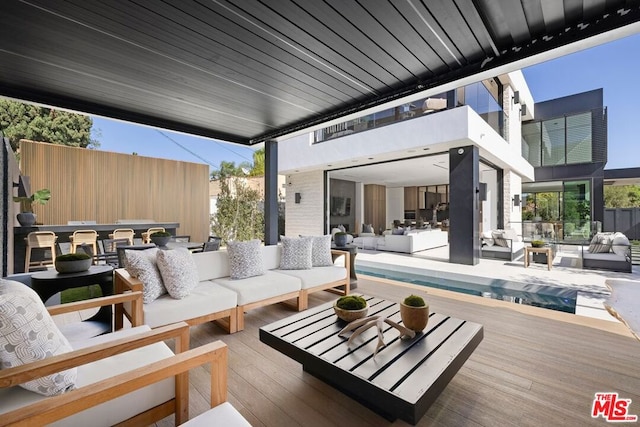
613,66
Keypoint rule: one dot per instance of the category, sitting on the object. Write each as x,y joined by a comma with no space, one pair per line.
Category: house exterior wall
308,216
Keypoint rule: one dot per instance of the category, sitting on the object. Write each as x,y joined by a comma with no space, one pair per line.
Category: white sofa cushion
116,410
317,276
258,288
620,244
222,415
245,259
206,298
179,272
212,265
29,334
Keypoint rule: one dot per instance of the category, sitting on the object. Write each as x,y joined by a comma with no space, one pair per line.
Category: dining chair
123,233
146,236
40,240
89,237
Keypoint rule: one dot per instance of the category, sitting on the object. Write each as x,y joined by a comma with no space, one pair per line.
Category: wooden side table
543,250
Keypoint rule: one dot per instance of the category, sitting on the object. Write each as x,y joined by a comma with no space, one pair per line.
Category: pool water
549,297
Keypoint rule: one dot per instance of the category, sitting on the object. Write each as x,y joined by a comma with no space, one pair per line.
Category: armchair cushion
296,253
620,244
179,272
499,239
28,334
601,243
245,259
143,266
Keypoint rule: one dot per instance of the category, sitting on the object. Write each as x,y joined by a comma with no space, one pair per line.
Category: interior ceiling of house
418,171
250,71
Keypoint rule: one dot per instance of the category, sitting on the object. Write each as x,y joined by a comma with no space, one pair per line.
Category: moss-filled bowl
72,263
538,243
350,315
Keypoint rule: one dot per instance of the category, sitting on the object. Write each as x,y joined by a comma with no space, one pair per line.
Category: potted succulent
340,238
351,307
161,238
538,243
26,217
414,313
72,263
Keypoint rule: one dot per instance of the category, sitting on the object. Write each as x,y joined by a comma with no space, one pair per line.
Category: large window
559,141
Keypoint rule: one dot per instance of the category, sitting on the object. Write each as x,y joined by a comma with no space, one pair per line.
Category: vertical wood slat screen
101,186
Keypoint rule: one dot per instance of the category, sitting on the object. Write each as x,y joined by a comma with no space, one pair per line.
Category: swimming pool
549,297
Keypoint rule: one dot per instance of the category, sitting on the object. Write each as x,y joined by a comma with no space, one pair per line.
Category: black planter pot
26,219
161,241
341,240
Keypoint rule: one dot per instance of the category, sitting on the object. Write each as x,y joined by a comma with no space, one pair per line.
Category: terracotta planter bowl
350,315
414,318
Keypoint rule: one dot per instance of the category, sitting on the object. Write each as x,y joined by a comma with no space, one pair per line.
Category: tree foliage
25,121
239,214
258,163
622,196
229,169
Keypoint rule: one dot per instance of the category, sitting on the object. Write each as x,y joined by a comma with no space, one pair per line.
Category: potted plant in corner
161,238
414,313
26,217
351,307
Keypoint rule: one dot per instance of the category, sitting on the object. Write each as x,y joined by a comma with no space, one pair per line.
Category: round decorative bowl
414,318
350,315
75,266
161,241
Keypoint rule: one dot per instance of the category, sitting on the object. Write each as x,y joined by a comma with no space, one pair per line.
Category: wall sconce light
523,110
516,97
516,200
298,197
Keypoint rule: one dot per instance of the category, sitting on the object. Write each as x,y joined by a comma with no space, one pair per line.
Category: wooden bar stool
40,240
146,236
123,233
89,237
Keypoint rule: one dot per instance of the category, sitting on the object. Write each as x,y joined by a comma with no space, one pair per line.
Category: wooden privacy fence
92,185
624,220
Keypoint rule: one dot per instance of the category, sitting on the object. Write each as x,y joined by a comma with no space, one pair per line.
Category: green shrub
351,302
161,234
73,257
414,301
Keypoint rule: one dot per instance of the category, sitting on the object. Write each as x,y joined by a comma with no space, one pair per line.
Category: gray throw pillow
398,231
179,272
29,334
498,239
142,265
367,228
296,253
321,251
601,243
245,259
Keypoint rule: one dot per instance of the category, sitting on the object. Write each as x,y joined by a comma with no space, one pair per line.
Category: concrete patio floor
566,273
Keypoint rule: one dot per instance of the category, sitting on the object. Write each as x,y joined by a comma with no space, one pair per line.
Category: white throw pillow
179,272
142,265
620,244
245,259
487,238
296,253
321,251
29,334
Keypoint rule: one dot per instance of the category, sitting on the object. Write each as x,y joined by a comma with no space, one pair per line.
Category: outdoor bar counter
64,231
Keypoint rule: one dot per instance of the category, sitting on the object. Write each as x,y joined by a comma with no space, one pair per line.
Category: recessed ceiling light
370,158
425,149
329,165
297,170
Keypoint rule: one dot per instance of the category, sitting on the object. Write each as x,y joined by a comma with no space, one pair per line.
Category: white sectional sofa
218,297
412,241
608,251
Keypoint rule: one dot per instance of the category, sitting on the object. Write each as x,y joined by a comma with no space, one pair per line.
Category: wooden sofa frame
123,283
58,407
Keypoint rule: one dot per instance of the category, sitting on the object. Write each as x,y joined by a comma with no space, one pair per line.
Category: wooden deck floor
534,367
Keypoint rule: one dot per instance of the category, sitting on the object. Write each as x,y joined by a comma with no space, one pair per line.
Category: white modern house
401,162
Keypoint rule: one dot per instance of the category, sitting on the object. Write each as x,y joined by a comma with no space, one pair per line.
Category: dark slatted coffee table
406,376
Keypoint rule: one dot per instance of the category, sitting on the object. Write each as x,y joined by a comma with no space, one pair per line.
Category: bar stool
123,233
146,236
40,240
89,237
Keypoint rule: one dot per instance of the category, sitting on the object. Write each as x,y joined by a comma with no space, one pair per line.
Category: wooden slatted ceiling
243,70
